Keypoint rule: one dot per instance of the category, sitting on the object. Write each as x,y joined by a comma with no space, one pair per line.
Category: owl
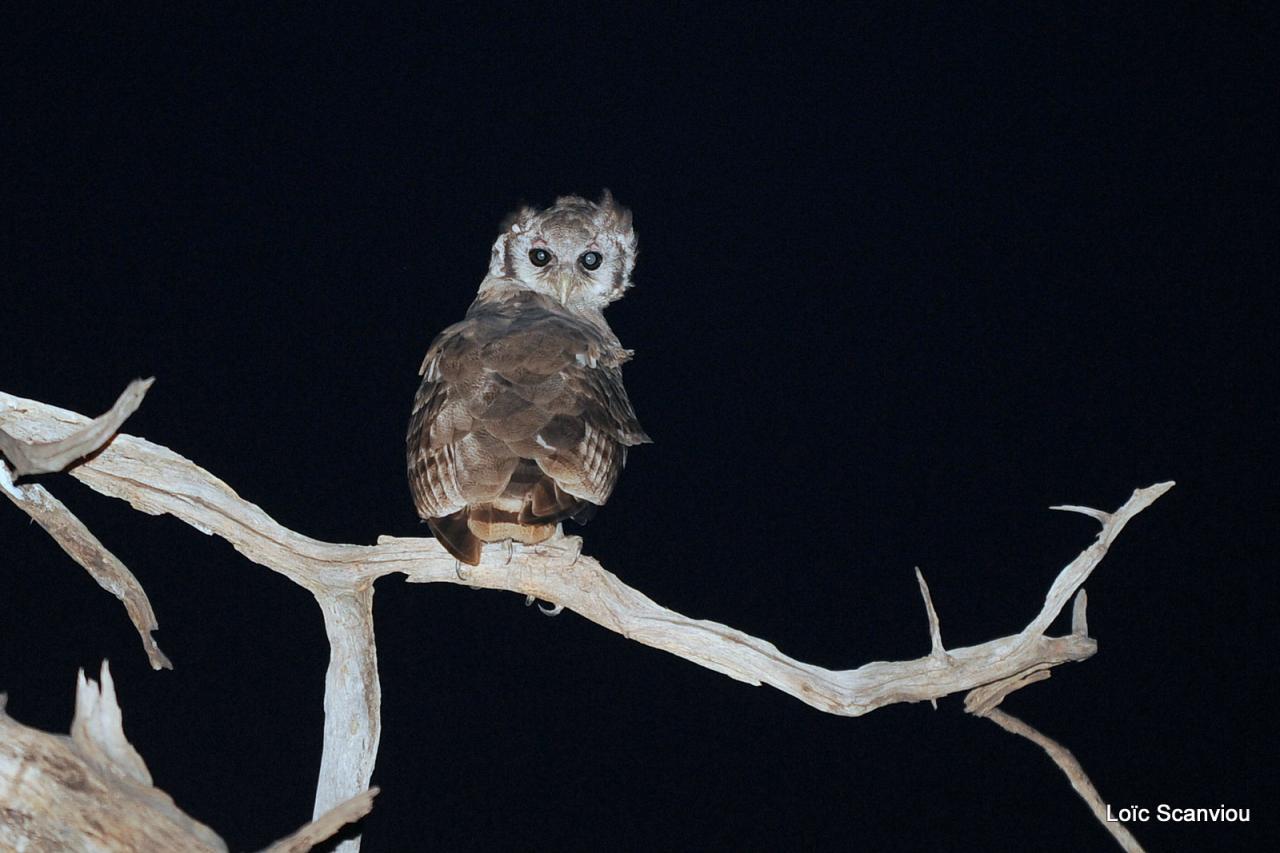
521,420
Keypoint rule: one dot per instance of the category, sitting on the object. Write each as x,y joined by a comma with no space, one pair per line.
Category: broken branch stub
92,793
42,457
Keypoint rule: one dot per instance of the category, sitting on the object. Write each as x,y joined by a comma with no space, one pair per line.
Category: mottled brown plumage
522,420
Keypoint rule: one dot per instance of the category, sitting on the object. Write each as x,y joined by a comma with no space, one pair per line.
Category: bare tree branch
156,480
1075,773
352,696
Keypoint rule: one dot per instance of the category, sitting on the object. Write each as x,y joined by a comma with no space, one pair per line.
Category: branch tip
1077,572
1103,518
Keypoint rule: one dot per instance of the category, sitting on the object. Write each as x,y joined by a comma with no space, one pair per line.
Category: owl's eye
540,257
590,260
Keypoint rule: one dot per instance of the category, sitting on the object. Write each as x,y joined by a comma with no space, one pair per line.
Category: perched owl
521,420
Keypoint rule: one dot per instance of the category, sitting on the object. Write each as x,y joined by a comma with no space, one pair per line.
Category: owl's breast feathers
521,421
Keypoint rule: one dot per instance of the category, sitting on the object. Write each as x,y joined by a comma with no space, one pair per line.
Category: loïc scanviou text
1165,813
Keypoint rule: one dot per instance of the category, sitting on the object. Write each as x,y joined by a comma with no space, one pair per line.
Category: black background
907,278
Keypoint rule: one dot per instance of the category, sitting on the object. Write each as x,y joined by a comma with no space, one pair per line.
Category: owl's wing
520,378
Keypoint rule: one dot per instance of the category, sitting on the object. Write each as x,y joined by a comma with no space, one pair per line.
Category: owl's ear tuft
616,216
516,222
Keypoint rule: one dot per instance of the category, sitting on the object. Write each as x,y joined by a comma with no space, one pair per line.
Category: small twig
935,627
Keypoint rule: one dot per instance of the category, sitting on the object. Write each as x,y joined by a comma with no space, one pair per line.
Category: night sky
907,278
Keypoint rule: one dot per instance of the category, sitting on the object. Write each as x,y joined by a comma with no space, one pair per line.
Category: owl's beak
564,285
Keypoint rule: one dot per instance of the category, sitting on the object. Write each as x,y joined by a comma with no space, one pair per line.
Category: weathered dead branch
92,791
1075,774
83,547
156,480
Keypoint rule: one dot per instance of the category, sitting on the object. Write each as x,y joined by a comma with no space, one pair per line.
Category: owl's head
578,252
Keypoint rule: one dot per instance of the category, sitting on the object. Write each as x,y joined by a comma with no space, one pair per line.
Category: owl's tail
464,533
453,532
529,510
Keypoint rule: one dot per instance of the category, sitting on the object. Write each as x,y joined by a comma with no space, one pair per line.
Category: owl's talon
546,611
575,542
510,548
462,573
